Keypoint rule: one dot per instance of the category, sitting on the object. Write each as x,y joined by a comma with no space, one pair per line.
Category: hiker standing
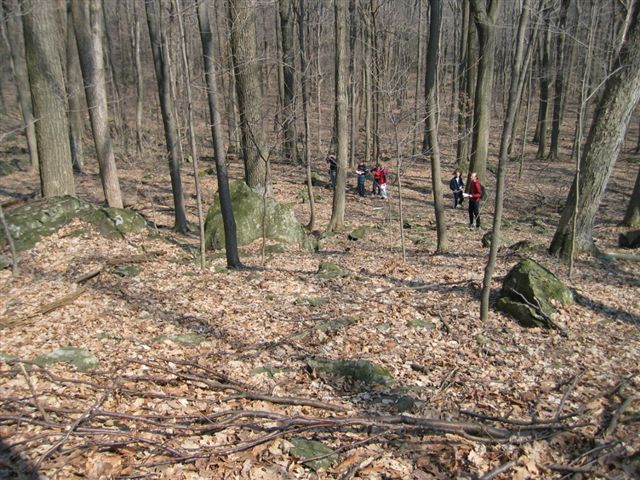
474,196
457,187
380,180
361,171
333,170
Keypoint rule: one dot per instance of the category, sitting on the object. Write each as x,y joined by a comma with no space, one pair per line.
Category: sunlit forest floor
193,364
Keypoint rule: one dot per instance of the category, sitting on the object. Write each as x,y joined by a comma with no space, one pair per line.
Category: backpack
483,193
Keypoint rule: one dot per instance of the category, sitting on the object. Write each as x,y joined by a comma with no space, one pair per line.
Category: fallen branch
61,302
498,470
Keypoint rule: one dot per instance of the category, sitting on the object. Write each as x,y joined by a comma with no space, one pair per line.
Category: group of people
378,173
474,195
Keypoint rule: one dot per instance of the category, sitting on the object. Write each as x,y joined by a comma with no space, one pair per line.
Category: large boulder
630,239
529,292
250,209
29,223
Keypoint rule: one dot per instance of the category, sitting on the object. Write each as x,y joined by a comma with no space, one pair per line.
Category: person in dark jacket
333,170
361,171
474,196
457,187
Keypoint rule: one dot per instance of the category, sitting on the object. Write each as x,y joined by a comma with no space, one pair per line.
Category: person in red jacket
474,196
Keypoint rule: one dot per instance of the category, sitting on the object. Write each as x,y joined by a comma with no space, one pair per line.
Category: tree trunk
139,79
304,75
431,99
558,99
208,54
15,44
242,21
632,215
353,37
485,24
368,77
341,80
87,22
620,94
545,81
42,39
119,114
288,70
159,49
507,131
75,90
464,100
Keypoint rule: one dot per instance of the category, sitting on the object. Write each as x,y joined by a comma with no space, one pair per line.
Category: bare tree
285,8
342,152
48,96
242,24
75,95
228,221
14,39
87,22
620,94
431,98
507,130
159,49
485,14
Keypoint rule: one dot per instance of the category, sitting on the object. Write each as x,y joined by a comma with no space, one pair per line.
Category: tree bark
242,22
159,49
545,81
48,96
135,35
341,101
632,215
620,94
431,99
507,131
485,23
75,90
87,22
208,55
558,99
15,44
464,99
288,70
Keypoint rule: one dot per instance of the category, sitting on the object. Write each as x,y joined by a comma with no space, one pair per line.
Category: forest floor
203,374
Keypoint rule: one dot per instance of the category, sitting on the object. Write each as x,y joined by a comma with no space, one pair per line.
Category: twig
75,425
32,389
498,470
61,302
613,424
568,468
287,401
565,396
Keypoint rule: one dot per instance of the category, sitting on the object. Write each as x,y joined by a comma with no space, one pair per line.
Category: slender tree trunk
431,99
485,24
632,215
159,49
288,70
228,220
75,95
620,95
138,76
368,60
242,22
46,80
558,99
353,37
416,108
192,135
119,114
507,131
464,102
87,21
304,83
15,44
545,82
341,80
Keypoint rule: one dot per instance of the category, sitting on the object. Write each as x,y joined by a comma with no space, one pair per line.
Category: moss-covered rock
420,323
317,180
253,214
7,167
311,301
358,233
488,237
328,270
4,262
183,339
357,370
337,324
79,357
303,449
127,270
528,293
629,239
31,222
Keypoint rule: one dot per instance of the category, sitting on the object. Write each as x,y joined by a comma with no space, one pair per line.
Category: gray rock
528,292
629,239
31,222
127,270
357,370
79,357
184,339
253,214
303,449
328,270
4,262
358,233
